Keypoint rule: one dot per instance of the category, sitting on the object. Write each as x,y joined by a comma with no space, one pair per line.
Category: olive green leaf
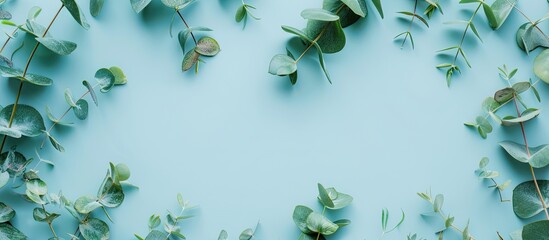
139,5
300,215
504,95
521,87
37,187
247,234
76,13
119,76
60,47
240,13
110,194
355,6
105,78
81,109
6,213
92,92
282,65
207,46
86,204
319,14
190,59
526,201
377,4
94,229
529,37
536,230
527,115
95,7
500,10
539,156
318,223
122,172
14,162
340,200
185,33
29,77
7,231
540,65
27,121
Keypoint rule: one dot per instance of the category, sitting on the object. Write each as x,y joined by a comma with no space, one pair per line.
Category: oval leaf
526,201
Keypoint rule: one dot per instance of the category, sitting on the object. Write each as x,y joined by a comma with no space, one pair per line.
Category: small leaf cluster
503,97
170,229
324,32
496,14
448,221
314,225
247,234
483,173
432,6
385,220
243,12
7,230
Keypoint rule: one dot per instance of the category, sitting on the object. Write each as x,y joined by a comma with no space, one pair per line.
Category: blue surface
245,145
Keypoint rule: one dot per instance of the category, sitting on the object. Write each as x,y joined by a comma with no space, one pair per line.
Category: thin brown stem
531,22
531,168
18,96
187,26
9,39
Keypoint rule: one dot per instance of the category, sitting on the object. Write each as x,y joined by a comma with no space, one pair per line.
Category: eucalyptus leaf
319,14
529,37
110,194
105,78
340,200
539,156
526,201
324,197
37,187
119,76
223,235
536,230
13,162
76,13
527,115
29,77
320,224
246,234
282,65
190,59
346,15
8,232
94,229
139,5
6,213
27,121
504,95
81,109
96,6
92,92
501,10
86,204
300,215
4,178
177,4
331,37
207,46
60,47
541,65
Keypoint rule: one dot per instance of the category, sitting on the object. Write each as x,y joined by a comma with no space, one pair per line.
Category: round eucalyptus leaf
529,37
37,187
7,231
86,204
318,223
526,201
504,95
541,66
34,197
4,178
489,104
81,109
110,194
105,78
319,14
332,38
521,87
76,13
282,65
539,156
94,229
190,59
324,197
207,46
95,7
40,215
357,6
340,200
14,162
177,4
119,76
139,5
26,122
536,230
122,172
69,98
6,213
246,234
300,218
30,78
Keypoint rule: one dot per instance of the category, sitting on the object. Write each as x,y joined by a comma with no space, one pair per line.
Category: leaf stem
9,39
499,191
18,96
49,222
531,168
410,27
531,22
187,26
459,49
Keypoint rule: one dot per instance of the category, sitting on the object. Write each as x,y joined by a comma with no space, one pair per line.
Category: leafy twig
408,32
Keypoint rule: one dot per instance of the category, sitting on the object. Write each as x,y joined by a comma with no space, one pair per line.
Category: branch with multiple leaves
171,228
243,12
484,173
413,16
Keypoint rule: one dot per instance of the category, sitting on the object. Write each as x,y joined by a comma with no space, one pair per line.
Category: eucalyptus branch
18,96
8,40
49,222
187,26
408,33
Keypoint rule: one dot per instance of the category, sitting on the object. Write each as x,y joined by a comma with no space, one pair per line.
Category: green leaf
156,235
14,162
527,115
489,105
177,4
27,121
246,234
332,38
529,37
4,178
300,215
94,229
342,222
190,59
119,76
377,4
95,7
526,201
207,46
416,16
319,15
139,5
539,155
86,204
29,77
504,95
318,223
501,10
110,194
185,33
536,230
346,15
76,13
41,215
355,6
324,197
8,232
122,172
92,92
293,76
223,235
240,13
492,20
541,63
68,98
521,87
282,65
340,200
483,125
37,186
439,201
81,109
6,213
60,47
105,78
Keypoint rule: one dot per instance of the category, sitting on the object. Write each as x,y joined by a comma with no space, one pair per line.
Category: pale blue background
245,145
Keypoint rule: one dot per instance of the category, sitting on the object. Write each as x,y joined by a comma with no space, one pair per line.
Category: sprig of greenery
484,173
385,220
171,228
437,203
324,31
243,12
314,225
408,33
247,234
